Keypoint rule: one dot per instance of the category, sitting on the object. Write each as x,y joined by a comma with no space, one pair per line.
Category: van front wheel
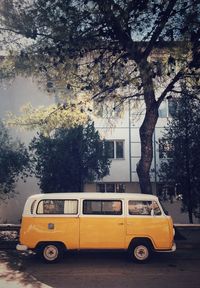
51,252
140,251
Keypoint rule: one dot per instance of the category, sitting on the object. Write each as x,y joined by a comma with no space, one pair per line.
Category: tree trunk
190,214
144,165
147,128
188,177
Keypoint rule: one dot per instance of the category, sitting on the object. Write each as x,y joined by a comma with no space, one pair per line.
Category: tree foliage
182,167
69,158
47,119
14,160
110,49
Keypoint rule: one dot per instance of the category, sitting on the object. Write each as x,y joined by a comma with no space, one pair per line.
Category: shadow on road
13,268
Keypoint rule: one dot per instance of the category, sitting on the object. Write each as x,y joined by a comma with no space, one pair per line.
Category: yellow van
55,222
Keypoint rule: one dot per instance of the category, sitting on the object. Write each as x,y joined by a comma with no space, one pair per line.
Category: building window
111,187
115,149
172,107
168,108
102,207
119,149
120,188
101,187
110,149
162,111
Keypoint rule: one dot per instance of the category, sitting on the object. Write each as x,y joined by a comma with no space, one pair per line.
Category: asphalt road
101,269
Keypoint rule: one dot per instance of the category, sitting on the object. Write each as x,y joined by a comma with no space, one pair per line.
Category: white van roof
84,195
93,195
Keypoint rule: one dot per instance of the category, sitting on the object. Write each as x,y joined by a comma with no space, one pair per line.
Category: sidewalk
13,276
174,210
11,279
187,236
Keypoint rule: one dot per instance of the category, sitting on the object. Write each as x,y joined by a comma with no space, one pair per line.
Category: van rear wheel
140,251
51,253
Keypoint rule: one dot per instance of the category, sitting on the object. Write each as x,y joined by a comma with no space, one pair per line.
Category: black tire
51,252
140,251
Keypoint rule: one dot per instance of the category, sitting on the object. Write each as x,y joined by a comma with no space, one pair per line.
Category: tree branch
23,35
170,86
123,36
176,91
159,28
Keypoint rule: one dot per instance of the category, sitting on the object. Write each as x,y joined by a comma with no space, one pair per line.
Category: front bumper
21,247
173,249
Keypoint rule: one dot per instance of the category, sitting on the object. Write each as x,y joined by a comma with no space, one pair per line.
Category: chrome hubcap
50,252
141,252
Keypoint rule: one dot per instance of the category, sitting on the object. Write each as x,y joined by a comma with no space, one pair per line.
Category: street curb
187,246
187,226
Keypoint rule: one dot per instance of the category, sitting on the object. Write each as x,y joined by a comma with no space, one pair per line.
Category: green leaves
47,119
69,158
14,161
183,137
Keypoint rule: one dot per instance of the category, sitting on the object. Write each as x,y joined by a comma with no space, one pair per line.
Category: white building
122,134
119,128
13,96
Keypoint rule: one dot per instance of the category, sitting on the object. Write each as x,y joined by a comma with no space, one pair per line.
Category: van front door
102,225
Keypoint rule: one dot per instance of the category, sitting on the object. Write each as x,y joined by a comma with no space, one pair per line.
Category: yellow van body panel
96,232
36,229
102,232
156,228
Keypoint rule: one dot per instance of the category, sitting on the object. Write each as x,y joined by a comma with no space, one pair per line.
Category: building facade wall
13,96
124,128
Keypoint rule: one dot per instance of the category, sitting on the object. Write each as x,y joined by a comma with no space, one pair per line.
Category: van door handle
121,223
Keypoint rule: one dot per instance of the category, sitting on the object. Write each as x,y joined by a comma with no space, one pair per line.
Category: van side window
143,208
71,207
52,206
139,207
156,208
102,207
32,206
